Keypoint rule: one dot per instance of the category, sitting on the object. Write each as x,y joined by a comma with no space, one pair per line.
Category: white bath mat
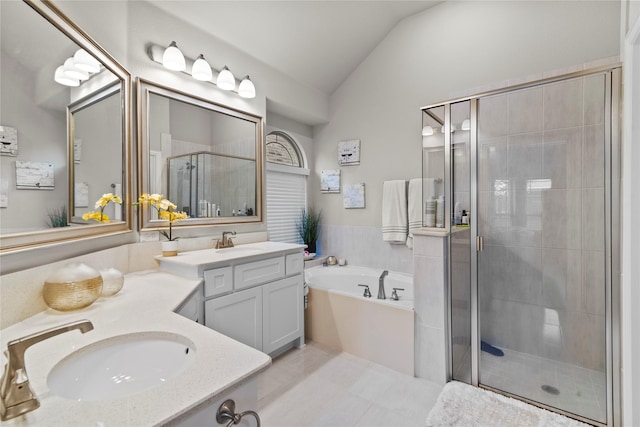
460,404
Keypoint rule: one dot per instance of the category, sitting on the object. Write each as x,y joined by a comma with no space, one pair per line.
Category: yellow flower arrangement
98,214
166,210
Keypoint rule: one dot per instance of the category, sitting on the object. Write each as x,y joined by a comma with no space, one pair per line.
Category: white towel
415,207
394,211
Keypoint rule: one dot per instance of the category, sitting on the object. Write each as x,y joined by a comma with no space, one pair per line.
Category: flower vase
170,248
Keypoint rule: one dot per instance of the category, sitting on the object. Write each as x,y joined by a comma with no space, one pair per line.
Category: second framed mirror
203,157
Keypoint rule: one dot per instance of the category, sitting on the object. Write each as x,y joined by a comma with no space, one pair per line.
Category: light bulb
201,69
246,88
70,70
61,78
86,62
173,59
225,80
427,130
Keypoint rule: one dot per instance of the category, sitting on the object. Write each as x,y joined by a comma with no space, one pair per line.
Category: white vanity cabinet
265,308
256,299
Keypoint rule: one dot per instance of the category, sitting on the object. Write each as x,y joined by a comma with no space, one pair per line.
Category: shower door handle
479,243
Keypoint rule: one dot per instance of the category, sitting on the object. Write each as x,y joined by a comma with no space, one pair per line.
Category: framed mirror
204,157
50,136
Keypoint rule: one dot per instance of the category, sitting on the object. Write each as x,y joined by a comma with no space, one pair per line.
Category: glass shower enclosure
532,277
206,185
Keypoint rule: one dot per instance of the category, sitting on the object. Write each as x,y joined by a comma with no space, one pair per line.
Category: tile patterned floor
316,386
582,391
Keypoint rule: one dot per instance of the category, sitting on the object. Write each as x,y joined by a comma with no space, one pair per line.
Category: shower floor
580,391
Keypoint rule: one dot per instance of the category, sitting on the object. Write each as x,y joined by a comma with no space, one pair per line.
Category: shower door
543,226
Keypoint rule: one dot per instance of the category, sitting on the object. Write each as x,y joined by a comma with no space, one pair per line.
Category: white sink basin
120,366
241,250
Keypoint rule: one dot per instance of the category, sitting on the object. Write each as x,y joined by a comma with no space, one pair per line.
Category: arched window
283,150
286,187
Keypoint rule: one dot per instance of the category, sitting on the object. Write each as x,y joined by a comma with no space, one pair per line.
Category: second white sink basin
241,250
121,366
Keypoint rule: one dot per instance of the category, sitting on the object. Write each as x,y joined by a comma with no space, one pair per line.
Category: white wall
47,142
431,57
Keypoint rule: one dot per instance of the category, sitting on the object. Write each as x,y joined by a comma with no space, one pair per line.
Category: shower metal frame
613,118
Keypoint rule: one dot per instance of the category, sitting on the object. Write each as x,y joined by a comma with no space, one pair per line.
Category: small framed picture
77,150
8,141
349,152
354,196
330,181
34,175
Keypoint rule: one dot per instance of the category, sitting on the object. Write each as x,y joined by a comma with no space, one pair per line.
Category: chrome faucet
16,396
381,294
226,241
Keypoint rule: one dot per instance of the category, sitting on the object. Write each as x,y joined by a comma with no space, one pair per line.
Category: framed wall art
34,175
330,181
349,152
354,196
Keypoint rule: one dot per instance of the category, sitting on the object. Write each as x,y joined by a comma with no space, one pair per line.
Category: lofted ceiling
317,43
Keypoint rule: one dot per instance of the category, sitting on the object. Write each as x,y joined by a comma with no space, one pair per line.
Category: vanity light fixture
70,70
225,80
173,59
76,68
61,78
246,88
201,69
86,62
466,125
427,131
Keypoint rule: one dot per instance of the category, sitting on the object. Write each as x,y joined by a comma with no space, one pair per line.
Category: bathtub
340,317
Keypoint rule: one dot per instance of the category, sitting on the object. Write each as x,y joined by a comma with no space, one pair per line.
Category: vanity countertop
192,263
145,304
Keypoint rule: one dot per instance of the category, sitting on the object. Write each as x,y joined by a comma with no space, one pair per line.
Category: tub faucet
381,294
16,396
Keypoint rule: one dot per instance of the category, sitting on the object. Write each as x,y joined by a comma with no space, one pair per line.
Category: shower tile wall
541,184
363,246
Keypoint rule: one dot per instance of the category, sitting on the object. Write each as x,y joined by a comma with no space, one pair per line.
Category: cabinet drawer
258,272
218,281
294,264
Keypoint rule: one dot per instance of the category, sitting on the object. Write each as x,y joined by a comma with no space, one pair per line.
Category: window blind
286,198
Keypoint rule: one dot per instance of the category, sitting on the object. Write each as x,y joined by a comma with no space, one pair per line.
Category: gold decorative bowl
72,287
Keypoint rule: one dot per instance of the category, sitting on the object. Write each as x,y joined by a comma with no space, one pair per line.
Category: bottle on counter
465,217
430,212
440,212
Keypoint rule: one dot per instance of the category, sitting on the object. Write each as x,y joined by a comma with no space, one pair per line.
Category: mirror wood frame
34,239
144,89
